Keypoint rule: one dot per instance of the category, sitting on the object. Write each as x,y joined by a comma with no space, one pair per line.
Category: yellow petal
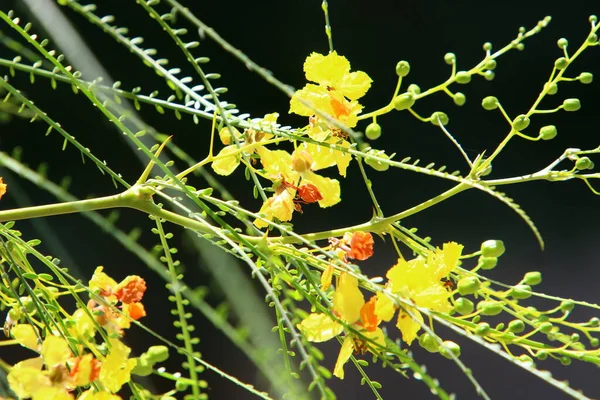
280,206
116,368
325,157
326,70
348,299
384,308
434,297
26,377
52,392
345,354
55,350
449,258
26,336
329,188
226,165
278,163
408,326
319,328
91,395
355,85
84,326
310,98
326,277
85,369
376,336
342,159
102,282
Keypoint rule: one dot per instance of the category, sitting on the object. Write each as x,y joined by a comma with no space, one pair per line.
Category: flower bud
520,292
552,88
404,101
468,285
463,77
450,58
487,46
429,343
376,164
594,322
459,98
302,161
584,163
520,47
143,367
373,131
482,329
520,122
541,355
488,262
492,248
414,88
489,307
567,305
402,68
490,64
463,306
592,39
28,304
450,348
571,105
561,63
524,358
516,326
546,327
564,360
548,132
533,278
181,385
157,354
562,43
489,75
438,118
594,342
586,77
489,103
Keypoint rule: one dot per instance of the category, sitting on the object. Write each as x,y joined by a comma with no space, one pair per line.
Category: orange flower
131,289
367,315
134,310
2,187
360,243
309,193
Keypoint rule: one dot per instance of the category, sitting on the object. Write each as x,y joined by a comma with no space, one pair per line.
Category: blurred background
374,36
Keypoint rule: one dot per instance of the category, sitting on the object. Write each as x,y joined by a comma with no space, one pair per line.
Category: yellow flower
103,284
2,188
116,367
418,281
333,71
280,206
26,336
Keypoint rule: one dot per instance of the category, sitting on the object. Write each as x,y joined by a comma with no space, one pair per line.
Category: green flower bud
459,98
533,278
438,118
548,132
571,105
541,355
546,327
490,64
487,46
468,285
500,326
492,248
593,19
520,122
489,103
28,304
482,329
520,47
525,359
488,262
594,342
14,314
564,360
450,348
158,354
561,63
404,101
575,337
552,88
181,385
489,75
143,367
516,326
584,163
376,164
373,131
562,43
450,58
463,77
463,306
520,292
414,88
586,77
489,307
594,322
429,343
592,39
567,305
402,68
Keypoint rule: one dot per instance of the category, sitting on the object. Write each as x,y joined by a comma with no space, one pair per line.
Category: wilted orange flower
2,187
309,193
131,289
360,243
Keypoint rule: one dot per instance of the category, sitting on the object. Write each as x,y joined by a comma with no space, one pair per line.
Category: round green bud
476,319
571,105
429,343
404,101
14,314
459,99
489,103
593,19
143,367
564,360
373,131
158,354
583,163
575,337
438,118
463,306
482,329
567,305
487,46
488,262
516,326
450,58
181,385
541,355
594,342
520,292
490,64
562,43
450,348
492,248
552,88
376,164
489,75
525,359
489,307
463,77
548,132
594,322
532,278
586,77
561,63
546,327
28,304
592,39
402,68
468,285
414,88
500,326
520,122
520,47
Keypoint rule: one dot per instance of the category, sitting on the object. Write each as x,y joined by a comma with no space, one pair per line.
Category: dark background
374,36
